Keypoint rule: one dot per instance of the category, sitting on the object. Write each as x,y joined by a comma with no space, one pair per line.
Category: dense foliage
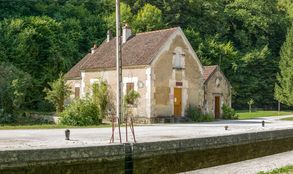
284,87
57,93
43,38
22,118
102,97
229,113
196,115
81,113
14,87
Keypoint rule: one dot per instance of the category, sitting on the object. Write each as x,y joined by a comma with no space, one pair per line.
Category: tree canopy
284,86
44,38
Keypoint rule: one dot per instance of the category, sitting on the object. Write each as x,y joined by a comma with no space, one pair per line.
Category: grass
288,119
48,126
283,170
256,114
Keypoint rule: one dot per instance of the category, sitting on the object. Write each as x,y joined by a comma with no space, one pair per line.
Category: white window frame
129,80
178,58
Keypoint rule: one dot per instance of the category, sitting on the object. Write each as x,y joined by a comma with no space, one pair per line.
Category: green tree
14,88
126,17
57,93
284,85
250,103
101,97
148,18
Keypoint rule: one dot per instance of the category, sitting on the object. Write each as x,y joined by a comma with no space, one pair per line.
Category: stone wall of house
72,84
165,77
212,89
137,76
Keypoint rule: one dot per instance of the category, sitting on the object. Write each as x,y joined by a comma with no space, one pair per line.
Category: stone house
162,66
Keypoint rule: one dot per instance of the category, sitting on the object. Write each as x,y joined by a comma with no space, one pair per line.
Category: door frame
181,107
219,106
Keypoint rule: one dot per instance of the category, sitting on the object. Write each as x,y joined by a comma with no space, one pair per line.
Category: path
253,166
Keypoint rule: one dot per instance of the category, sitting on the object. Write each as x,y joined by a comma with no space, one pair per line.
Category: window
178,59
129,87
76,92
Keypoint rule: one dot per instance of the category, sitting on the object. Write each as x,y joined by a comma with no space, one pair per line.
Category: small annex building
162,66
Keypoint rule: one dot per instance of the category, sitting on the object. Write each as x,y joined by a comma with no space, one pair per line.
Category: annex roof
208,71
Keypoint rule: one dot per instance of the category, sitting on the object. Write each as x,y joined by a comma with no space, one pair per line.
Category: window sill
179,69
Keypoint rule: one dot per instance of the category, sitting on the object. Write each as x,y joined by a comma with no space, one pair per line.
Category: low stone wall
153,157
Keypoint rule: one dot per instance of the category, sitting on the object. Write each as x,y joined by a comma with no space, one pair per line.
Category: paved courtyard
54,138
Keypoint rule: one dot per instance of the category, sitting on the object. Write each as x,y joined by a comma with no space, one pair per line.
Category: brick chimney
109,35
126,33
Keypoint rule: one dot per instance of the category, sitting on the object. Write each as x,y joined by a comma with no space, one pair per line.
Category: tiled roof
140,49
208,71
74,72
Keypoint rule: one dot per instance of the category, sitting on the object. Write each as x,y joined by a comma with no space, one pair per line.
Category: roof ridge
148,32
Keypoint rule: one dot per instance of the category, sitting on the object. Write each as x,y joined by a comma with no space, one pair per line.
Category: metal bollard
263,123
67,134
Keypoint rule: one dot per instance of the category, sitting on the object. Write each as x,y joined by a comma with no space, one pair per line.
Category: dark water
157,164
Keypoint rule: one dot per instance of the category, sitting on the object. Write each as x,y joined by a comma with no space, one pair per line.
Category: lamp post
118,68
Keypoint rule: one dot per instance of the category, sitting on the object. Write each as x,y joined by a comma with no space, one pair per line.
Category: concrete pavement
253,166
54,138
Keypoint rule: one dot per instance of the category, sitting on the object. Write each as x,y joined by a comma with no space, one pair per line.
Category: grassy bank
48,126
283,170
288,119
255,114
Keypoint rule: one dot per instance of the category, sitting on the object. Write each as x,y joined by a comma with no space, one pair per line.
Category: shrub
80,113
229,113
57,93
101,97
131,97
6,118
21,118
206,117
194,113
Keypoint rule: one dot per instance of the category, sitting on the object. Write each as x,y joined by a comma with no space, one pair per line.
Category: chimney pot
93,49
126,33
109,35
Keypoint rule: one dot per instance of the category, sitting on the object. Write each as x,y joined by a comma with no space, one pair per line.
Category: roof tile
208,71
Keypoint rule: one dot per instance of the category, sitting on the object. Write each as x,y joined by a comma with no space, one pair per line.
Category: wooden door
217,107
177,101
77,92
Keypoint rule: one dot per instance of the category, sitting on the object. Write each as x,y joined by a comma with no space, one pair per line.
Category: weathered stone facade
165,77
217,85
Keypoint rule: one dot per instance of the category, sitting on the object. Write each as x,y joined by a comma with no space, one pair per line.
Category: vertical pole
279,107
126,131
118,66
